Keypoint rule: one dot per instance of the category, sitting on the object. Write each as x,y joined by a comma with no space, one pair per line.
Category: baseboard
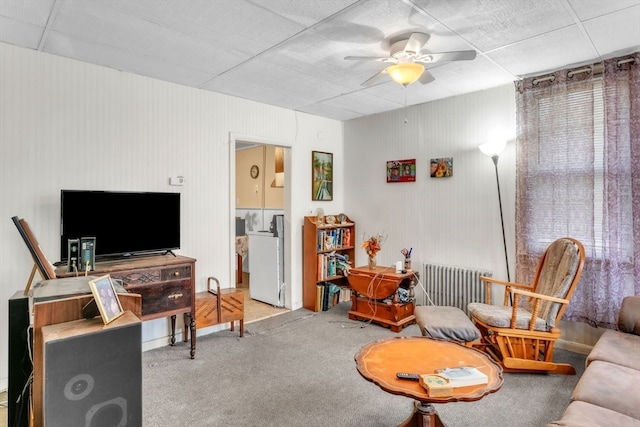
164,341
574,347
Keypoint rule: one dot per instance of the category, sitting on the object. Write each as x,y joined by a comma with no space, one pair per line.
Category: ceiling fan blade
462,55
373,78
416,42
426,77
366,58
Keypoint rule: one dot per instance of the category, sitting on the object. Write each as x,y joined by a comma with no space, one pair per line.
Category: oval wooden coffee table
379,362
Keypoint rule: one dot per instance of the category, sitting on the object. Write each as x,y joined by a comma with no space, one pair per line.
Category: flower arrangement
373,244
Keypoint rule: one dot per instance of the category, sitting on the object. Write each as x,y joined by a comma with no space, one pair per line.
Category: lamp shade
406,73
493,148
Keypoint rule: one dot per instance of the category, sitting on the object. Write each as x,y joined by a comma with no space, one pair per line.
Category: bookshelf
326,250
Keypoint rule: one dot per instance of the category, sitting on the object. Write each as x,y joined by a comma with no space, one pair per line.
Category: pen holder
407,264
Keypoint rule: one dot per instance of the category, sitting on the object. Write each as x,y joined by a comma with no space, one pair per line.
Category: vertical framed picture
441,168
41,263
321,176
106,298
401,170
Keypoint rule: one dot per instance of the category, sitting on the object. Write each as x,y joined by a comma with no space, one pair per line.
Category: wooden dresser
165,282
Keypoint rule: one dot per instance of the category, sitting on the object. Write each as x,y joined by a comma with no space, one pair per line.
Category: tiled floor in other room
256,310
3,410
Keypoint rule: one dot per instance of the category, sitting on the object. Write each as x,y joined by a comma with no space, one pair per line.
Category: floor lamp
493,150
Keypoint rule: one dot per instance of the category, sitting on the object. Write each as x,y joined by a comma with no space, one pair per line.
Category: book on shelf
319,296
337,238
463,376
328,295
330,265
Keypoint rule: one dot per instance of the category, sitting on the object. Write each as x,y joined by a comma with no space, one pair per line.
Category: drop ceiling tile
28,12
626,36
329,112
370,25
20,33
551,51
269,83
108,56
363,102
588,9
304,13
490,24
470,76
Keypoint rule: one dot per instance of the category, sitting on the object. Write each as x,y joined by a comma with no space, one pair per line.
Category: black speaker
93,373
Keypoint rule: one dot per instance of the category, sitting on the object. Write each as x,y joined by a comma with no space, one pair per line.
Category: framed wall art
321,176
106,298
441,168
401,170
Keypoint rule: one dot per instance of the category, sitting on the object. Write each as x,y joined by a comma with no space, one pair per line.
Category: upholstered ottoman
449,323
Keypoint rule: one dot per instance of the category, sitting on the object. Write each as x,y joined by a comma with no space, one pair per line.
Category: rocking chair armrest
540,296
502,282
508,286
536,305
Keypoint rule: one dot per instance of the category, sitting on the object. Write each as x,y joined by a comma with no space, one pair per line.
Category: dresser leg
185,327
192,326
173,329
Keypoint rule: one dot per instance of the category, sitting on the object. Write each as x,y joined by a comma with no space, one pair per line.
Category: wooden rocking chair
521,336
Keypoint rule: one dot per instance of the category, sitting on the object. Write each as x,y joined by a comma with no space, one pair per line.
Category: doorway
258,192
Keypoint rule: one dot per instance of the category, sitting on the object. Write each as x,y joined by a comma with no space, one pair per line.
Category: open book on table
463,376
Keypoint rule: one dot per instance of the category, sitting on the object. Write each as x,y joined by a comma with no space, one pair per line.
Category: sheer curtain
578,175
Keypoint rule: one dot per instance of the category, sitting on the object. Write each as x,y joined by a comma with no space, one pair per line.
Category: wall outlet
176,180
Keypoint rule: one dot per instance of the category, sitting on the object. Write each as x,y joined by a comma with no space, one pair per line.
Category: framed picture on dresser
106,298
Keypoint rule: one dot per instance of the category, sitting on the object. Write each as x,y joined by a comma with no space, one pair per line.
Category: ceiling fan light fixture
406,73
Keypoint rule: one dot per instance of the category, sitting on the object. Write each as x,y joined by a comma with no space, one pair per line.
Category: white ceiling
289,53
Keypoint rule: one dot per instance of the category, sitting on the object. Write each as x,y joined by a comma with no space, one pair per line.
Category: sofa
608,393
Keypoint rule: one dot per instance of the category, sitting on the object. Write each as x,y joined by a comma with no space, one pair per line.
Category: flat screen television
123,223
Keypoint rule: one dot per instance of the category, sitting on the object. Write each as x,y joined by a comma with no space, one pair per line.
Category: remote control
406,376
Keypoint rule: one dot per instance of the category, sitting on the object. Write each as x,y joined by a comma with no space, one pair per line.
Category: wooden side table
371,287
379,362
215,306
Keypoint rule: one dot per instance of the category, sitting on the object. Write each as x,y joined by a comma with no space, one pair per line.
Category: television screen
123,223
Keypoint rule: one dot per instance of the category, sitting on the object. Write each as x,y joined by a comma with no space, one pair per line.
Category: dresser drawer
162,296
138,277
173,273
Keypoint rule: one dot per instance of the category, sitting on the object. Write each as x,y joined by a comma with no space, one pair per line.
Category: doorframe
288,146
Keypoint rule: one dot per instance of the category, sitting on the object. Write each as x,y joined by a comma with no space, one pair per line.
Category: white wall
66,124
453,221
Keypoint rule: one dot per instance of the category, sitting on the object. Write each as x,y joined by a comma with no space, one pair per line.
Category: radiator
454,286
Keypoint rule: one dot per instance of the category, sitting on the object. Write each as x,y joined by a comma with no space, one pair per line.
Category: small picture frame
321,176
401,170
441,167
106,298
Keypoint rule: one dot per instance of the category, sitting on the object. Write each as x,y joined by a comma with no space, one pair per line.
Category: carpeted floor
298,369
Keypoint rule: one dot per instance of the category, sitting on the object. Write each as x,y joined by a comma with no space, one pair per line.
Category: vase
372,262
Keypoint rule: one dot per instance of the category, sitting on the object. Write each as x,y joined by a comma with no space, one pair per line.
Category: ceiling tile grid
290,53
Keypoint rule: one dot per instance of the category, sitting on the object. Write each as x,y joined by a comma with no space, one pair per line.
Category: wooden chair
520,334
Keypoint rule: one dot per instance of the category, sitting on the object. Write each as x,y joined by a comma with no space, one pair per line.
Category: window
576,150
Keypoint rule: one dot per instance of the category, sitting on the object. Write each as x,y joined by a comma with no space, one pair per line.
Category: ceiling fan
407,57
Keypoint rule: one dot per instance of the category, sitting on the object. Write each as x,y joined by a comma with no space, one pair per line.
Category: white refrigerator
266,267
